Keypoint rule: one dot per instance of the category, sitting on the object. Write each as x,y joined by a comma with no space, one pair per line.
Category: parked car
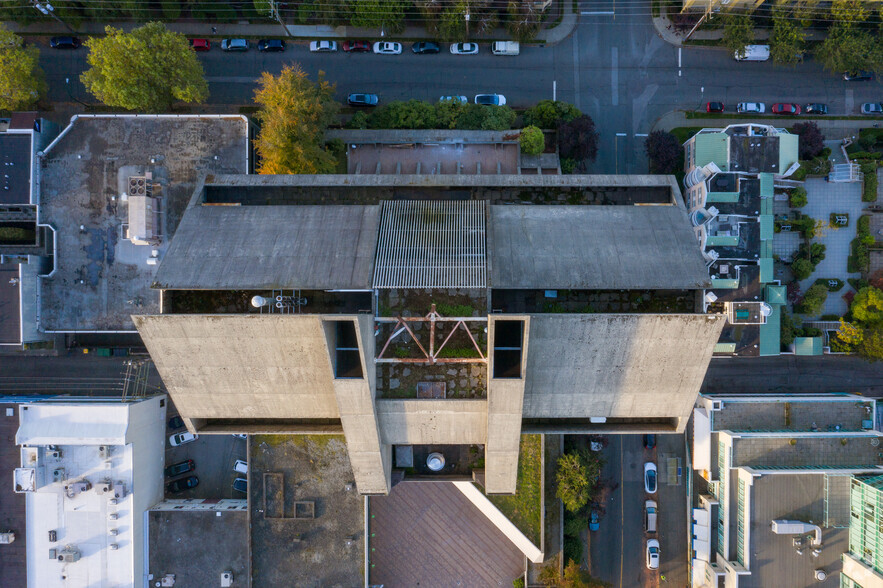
751,107
240,467
182,467
714,107
200,44
858,76
324,46
356,47
182,484
460,99
650,477
240,484
464,48
650,516
815,108
387,48
176,422
653,554
785,108
271,45
64,42
422,47
182,438
234,45
872,108
490,99
594,521
753,53
362,99
649,441
240,435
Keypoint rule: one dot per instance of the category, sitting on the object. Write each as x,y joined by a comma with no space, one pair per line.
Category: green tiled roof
766,270
766,185
773,294
722,197
712,147
807,345
766,249
722,283
766,206
725,348
771,332
766,227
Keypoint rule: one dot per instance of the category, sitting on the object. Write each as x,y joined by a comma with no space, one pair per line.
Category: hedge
869,191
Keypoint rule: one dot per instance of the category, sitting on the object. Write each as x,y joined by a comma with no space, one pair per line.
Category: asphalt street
613,67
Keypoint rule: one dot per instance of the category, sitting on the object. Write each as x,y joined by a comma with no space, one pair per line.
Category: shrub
518,583
869,190
577,476
532,140
838,284
826,153
568,165
358,121
813,300
797,198
867,306
800,174
787,329
578,139
864,225
550,114
859,258
865,155
810,139
663,151
802,268
832,220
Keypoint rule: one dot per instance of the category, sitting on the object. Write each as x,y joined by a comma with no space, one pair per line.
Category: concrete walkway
548,36
675,36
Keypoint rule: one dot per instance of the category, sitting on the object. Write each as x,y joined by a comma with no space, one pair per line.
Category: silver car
387,48
872,108
751,107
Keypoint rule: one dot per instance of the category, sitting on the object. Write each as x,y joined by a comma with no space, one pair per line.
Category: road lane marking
621,512
641,134
679,62
554,90
614,75
598,13
622,134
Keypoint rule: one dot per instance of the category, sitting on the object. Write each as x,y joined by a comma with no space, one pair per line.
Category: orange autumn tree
294,113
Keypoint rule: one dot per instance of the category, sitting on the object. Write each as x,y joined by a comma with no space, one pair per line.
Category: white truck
505,48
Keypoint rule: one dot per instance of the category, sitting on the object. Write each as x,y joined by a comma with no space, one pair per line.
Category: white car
460,99
872,108
650,477
653,554
490,99
182,438
240,467
240,435
464,48
751,107
387,48
323,46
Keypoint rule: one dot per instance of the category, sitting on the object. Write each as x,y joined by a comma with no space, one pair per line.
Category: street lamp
49,10
466,16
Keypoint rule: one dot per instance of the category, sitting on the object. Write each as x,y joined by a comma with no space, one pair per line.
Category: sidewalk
670,34
832,129
548,36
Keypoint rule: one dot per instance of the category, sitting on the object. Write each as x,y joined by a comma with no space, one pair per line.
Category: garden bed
524,508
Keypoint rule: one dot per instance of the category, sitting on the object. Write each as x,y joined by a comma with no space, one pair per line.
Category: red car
786,108
200,44
357,46
714,107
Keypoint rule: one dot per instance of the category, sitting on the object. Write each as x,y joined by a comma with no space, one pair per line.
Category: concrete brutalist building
421,314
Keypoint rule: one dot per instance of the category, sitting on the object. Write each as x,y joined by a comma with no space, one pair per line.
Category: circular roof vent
435,461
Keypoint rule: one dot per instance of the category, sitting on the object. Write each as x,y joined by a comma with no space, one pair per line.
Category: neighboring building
863,565
90,470
772,486
419,311
26,246
111,188
731,178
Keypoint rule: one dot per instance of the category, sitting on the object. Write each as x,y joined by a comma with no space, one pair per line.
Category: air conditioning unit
226,579
717,405
69,555
103,451
113,546
113,516
119,490
114,532
54,454
104,487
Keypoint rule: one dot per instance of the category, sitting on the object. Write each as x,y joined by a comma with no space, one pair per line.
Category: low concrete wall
531,551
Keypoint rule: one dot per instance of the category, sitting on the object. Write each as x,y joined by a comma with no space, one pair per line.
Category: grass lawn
523,508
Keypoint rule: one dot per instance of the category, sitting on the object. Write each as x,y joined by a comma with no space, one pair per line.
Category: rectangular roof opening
508,345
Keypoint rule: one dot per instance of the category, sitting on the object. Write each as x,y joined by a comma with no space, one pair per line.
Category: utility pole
48,10
274,13
704,16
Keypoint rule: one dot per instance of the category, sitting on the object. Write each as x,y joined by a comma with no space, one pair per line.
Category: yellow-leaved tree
21,79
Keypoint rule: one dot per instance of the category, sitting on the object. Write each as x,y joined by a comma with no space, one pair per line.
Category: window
508,341
348,364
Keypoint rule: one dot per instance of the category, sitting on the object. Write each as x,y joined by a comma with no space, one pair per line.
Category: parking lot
214,456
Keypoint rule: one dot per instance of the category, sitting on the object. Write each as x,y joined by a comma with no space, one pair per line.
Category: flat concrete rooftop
829,452
13,557
15,157
826,416
100,277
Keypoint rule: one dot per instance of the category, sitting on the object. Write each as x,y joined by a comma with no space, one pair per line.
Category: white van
650,516
505,48
754,53
240,467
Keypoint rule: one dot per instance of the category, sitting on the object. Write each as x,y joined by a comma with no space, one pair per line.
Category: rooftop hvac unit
103,488
114,532
54,454
226,579
717,405
103,451
7,538
113,516
53,553
119,490
69,555
114,546
112,501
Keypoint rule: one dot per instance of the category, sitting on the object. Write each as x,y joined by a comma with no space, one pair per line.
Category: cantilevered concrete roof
257,247
629,366
594,247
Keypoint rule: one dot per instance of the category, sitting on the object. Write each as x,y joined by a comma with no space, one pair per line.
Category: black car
182,484
649,441
176,422
815,108
180,468
271,45
858,76
425,47
64,42
362,99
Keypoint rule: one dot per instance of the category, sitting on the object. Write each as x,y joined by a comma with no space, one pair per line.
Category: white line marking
641,134
598,12
554,90
614,75
621,134
679,57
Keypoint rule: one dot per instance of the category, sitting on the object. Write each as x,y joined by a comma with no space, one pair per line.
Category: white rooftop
73,424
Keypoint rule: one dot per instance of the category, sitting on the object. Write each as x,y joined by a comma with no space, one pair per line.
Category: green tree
663,151
738,32
871,347
788,39
549,114
867,307
452,21
847,47
21,79
523,20
532,141
146,70
447,113
294,113
850,334
797,198
802,268
813,300
388,15
577,476
413,114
